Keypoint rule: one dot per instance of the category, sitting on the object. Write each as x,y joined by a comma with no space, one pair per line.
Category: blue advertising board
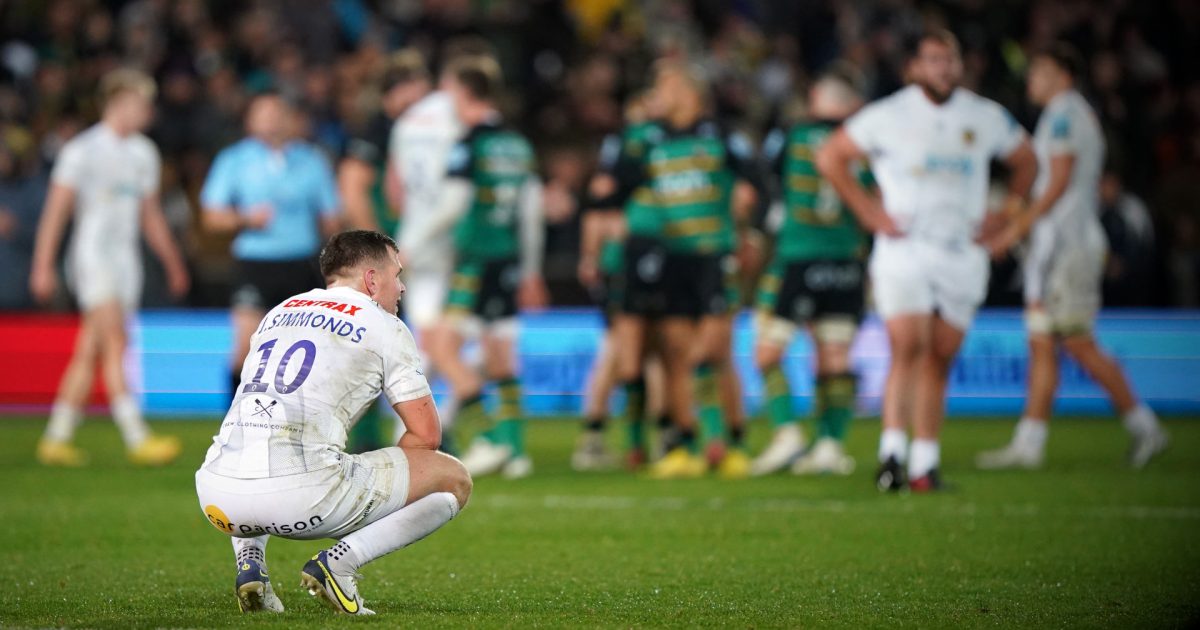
184,361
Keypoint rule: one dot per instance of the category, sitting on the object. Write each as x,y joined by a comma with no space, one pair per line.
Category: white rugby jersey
931,161
111,176
420,148
316,362
1069,126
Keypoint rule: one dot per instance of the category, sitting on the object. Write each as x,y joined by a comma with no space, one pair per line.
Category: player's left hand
532,294
8,224
993,224
43,283
998,244
178,281
750,252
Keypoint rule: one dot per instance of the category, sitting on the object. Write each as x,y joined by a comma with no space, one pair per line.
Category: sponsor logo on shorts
221,521
217,517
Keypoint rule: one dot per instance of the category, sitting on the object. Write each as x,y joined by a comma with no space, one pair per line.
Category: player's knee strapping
712,425
835,403
779,396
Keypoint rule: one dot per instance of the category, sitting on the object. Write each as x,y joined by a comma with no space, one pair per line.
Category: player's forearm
1024,167
833,163
1060,180
222,220
745,198
158,236
422,427
862,204
412,440
591,235
55,214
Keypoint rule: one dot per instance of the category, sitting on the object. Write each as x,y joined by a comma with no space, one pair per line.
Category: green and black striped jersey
816,223
498,162
684,180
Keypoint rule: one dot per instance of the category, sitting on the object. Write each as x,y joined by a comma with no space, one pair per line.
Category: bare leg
1103,369
679,339
72,396
109,324
76,381
1043,377
908,337
445,352
602,379
929,407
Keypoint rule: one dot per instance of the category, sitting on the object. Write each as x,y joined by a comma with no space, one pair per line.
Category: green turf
1084,543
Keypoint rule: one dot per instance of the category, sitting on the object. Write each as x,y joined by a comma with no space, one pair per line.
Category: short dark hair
349,249
479,75
938,35
1065,57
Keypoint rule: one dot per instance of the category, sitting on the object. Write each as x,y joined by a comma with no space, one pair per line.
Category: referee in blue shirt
277,194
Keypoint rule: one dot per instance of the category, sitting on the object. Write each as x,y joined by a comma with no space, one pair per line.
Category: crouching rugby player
278,467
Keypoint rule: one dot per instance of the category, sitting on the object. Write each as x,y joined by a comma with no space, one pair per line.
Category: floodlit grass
1085,542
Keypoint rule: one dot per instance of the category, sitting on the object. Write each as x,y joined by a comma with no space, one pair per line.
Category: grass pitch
1084,543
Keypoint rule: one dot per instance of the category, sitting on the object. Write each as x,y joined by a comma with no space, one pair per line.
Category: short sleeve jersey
419,149
817,225
498,162
296,182
316,362
111,176
932,160
689,176
1069,126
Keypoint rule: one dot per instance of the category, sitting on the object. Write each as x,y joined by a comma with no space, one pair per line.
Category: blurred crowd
569,66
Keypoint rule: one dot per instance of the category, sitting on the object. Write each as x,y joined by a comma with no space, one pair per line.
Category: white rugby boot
826,457
786,445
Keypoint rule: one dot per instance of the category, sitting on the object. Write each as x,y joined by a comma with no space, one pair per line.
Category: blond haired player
108,177
279,467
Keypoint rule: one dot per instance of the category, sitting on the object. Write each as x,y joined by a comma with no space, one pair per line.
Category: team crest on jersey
968,136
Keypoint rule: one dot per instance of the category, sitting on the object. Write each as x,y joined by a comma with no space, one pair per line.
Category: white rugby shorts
913,277
425,297
95,282
326,503
1064,275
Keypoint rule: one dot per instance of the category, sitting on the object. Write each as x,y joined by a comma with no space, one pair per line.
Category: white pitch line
885,505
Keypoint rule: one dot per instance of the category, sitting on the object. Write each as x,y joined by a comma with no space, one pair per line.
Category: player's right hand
43,283
882,223
588,273
532,294
258,217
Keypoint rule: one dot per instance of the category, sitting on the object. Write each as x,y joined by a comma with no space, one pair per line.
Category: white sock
128,417
926,455
1031,433
64,418
251,549
392,532
893,443
1141,420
